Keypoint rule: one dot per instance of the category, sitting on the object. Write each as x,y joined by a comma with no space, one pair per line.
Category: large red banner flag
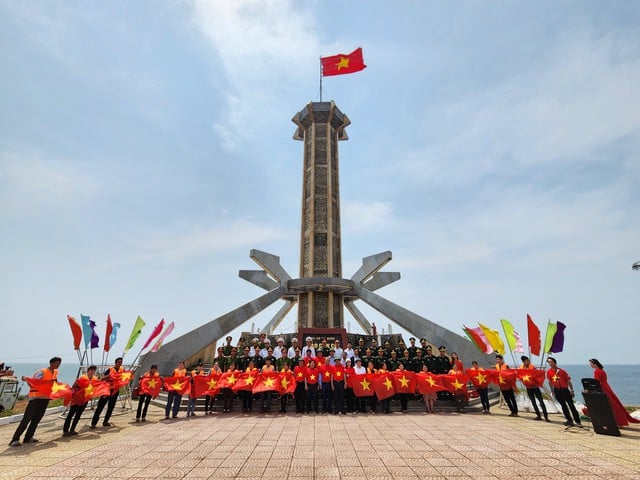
76,331
180,385
228,379
50,389
151,386
342,64
505,379
530,377
404,381
456,383
383,385
286,383
266,382
246,381
429,383
481,378
534,337
85,389
121,379
362,385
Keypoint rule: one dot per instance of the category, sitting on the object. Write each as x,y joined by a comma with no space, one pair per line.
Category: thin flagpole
320,78
510,351
543,344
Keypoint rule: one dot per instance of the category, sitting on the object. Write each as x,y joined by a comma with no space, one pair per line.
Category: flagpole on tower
320,78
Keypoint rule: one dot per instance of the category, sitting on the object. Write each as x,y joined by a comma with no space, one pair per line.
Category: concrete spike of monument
320,292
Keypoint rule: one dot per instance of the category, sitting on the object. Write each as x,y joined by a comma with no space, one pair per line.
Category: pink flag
164,335
154,334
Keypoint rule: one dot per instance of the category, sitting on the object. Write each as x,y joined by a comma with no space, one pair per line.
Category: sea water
624,379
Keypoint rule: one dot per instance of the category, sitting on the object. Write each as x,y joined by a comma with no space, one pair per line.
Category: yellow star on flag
457,385
232,379
211,384
502,380
404,381
526,379
57,387
177,385
126,376
431,381
481,378
365,384
312,377
343,63
152,383
387,383
88,390
269,382
249,380
284,382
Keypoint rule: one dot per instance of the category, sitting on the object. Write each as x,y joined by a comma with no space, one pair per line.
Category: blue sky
146,147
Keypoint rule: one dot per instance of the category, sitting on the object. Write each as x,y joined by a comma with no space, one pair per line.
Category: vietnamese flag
532,378
266,382
228,379
85,389
456,383
362,385
405,381
286,383
342,64
533,332
428,382
383,385
151,386
120,379
50,389
180,385
481,378
505,379
205,385
246,381
76,331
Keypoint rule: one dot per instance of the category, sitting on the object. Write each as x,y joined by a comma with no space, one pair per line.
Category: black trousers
338,397
349,399
535,393
173,404
510,399
247,400
326,397
73,417
108,400
143,404
299,395
312,398
36,409
563,396
484,398
208,403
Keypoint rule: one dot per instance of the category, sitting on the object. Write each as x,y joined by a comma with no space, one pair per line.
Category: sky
146,147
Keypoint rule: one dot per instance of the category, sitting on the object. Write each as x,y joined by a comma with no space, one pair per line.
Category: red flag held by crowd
362,385
228,379
49,389
151,386
180,385
120,379
342,64
429,383
266,382
286,383
383,385
505,379
481,378
456,383
404,381
246,381
531,378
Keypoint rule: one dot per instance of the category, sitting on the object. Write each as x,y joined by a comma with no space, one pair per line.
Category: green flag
509,333
552,328
135,333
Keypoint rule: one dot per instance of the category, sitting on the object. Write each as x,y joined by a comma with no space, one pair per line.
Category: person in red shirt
348,391
337,387
326,371
311,378
299,373
560,383
620,413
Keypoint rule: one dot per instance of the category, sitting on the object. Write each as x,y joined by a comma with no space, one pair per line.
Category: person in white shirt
264,352
291,353
280,349
350,353
337,350
308,346
254,350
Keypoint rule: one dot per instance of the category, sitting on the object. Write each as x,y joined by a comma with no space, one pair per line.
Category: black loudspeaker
591,385
601,414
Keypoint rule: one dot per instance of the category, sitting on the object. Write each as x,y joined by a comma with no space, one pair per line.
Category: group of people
321,375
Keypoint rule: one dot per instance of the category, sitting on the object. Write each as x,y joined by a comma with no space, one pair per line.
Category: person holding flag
79,402
150,384
37,405
506,386
560,383
108,400
533,379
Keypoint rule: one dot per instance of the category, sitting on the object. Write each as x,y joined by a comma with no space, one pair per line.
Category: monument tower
320,292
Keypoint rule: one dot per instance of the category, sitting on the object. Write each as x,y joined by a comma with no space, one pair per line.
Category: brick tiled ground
413,446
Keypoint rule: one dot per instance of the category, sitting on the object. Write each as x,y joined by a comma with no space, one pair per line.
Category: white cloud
363,217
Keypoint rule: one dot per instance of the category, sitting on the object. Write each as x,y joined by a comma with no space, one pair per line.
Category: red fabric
456,382
326,370
558,378
362,385
307,361
286,383
480,377
429,383
48,388
622,416
120,379
404,381
338,374
342,64
151,385
299,372
76,331
531,377
180,385
534,337
266,382
505,379
383,385
246,381
107,335
311,375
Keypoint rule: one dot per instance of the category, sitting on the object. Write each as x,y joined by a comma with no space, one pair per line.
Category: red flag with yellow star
342,64
286,383
456,383
383,385
151,386
505,379
532,378
246,381
229,379
362,384
427,382
121,379
481,378
266,382
205,385
405,381
180,385
49,389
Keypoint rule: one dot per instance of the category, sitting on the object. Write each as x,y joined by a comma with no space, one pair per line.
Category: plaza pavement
411,446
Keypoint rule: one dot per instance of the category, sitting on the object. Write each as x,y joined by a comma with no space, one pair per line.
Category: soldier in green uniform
387,349
374,347
392,362
324,348
379,359
400,348
227,348
368,357
418,361
413,350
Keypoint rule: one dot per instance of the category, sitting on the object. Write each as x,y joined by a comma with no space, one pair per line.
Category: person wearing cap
413,350
324,347
232,358
534,392
264,351
430,359
326,370
280,350
361,346
367,357
244,359
299,373
418,361
442,366
386,351
220,358
227,348
379,359
291,352
338,376
255,348
392,361
308,347
311,377
282,360
308,357
374,347
400,348
507,393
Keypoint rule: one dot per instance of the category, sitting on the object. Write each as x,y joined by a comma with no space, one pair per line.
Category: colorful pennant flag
164,335
135,333
551,332
342,64
533,332
86,330
558,339
107,334
478,339
154,334
493,337
95,340
76,331
513,339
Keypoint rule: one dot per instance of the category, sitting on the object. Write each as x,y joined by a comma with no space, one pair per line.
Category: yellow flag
494,338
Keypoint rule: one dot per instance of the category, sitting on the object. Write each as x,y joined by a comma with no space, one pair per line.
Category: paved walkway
413,446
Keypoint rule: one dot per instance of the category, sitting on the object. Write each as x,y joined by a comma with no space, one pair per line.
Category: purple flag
558,339
95,340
